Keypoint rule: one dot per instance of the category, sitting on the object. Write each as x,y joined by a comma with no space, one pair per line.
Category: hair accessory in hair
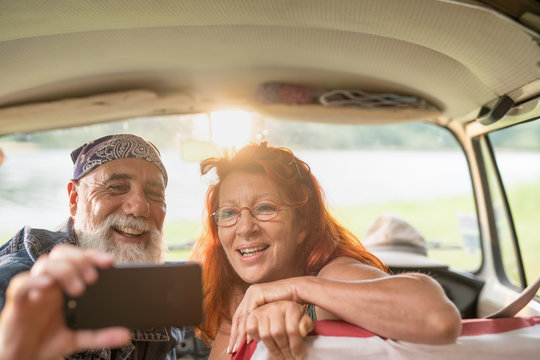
293,161
97,152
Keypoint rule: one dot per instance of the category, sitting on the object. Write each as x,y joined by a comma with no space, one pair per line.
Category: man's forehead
136,169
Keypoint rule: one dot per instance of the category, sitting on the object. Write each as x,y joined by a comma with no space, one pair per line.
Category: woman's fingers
281,326
238,332
298,325
295,340
248,304
256,296
268,332
306,325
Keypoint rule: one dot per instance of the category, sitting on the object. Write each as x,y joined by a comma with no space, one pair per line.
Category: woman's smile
252,251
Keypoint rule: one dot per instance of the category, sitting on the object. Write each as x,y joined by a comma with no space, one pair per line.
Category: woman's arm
409,307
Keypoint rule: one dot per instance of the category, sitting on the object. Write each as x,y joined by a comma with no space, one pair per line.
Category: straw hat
397,243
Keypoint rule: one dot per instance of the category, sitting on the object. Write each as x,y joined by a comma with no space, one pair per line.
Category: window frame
522,112
496,251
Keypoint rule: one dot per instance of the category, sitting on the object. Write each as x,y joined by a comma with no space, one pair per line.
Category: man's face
120,208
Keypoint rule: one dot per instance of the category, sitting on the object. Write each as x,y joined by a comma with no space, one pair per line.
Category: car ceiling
68,63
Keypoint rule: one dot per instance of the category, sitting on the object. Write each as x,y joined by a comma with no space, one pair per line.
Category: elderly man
117,205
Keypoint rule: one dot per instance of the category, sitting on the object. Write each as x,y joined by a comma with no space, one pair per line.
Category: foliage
309,135
169,130
523,137
159,134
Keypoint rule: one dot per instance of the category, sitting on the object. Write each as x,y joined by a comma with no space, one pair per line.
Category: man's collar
40,241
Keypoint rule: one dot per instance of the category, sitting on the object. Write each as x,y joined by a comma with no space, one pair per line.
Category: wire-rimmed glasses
263,210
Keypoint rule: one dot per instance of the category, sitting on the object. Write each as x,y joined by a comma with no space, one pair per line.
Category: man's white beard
98,237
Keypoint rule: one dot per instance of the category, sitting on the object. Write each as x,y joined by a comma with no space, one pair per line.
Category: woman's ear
73,195
302,234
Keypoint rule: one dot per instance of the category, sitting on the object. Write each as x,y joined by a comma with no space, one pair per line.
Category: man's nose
136,204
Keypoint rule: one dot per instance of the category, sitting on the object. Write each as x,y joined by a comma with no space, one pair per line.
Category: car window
417,171
37,167
517,152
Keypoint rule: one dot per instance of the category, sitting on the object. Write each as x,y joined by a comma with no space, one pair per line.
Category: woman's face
260,251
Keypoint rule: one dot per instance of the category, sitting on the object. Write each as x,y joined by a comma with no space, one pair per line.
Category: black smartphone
139,296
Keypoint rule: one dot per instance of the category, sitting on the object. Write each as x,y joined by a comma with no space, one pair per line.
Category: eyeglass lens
262,211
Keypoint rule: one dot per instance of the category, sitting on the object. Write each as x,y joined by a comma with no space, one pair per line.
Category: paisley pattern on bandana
113,147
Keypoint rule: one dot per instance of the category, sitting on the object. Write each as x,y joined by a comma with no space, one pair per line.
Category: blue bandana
113,147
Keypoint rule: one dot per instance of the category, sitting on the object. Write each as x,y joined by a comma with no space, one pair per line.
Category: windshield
416,171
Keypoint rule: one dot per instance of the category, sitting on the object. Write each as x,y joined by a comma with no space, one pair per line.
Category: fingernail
228,349
234,348
248,339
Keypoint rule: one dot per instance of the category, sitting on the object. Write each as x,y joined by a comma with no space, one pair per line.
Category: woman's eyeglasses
264,210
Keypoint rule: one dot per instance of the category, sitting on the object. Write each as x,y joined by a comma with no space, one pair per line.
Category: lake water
33,192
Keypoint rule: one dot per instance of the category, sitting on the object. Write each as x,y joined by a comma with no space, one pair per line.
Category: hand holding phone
139,296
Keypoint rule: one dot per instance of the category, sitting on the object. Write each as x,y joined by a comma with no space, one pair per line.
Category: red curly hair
326,239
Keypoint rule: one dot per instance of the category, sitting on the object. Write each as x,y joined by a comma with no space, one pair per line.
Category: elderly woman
275,260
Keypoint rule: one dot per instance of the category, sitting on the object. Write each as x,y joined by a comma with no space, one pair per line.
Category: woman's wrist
304,287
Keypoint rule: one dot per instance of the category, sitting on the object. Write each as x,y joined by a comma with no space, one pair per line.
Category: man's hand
32,324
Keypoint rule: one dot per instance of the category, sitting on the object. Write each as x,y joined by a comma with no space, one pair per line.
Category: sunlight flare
231,129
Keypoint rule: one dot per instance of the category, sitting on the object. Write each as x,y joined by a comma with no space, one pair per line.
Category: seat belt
519,303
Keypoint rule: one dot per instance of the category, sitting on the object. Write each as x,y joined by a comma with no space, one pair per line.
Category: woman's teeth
251,251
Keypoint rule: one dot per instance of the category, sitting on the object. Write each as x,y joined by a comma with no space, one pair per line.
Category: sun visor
90,110
344,115
346,106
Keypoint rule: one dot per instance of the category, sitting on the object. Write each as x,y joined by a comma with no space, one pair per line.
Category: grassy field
437,221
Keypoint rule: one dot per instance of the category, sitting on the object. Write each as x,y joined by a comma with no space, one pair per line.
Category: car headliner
131,58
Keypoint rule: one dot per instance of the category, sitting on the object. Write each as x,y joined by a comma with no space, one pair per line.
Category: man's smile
129,231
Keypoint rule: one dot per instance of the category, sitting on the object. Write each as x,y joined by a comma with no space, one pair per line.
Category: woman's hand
280,325
32,324
256,296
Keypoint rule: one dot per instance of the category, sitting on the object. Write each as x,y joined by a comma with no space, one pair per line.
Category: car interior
455,80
